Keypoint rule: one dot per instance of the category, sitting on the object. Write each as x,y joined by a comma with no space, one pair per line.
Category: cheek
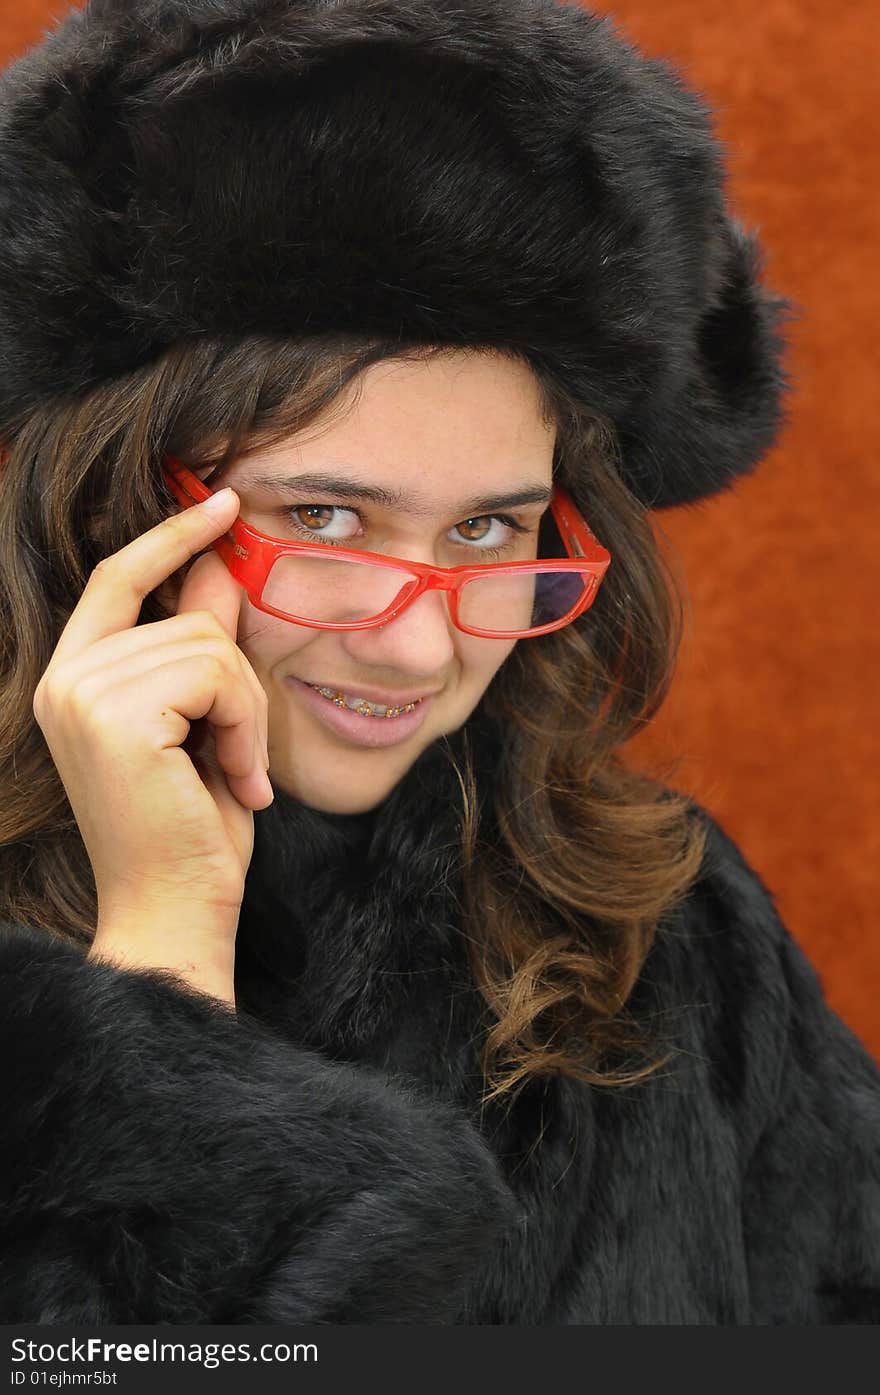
267,638
482,658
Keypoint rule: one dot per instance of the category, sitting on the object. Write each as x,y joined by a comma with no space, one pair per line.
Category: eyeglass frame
249,555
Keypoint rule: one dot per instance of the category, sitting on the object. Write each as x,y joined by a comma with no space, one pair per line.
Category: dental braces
364,708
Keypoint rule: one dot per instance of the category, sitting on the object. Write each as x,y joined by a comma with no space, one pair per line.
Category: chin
329,797
347,806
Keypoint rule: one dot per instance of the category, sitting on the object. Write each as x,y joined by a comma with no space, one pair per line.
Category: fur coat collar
348,936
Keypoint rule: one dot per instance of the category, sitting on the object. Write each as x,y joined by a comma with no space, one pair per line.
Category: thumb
238,819
209,585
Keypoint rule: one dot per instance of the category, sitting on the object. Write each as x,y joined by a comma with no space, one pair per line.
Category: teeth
356,702
361,704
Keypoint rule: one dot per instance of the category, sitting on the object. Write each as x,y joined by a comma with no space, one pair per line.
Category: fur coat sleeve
805,1096
811,1191
165,1162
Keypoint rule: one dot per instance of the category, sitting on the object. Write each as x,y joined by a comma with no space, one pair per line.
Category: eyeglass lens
322,589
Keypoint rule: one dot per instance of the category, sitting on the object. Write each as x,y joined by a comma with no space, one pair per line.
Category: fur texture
502,172
323,1156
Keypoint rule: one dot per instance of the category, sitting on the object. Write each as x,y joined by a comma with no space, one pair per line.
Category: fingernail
217,502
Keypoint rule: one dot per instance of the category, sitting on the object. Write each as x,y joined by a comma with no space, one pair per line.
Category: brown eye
468,522
317,520
302,510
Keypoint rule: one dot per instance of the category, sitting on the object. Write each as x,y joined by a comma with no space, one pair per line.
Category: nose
419,642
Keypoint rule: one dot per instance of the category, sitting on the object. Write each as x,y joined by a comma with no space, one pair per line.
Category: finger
143,644
209,585
116,589
108,670
131,653
228,794
231,718
254,791
205,589
164,703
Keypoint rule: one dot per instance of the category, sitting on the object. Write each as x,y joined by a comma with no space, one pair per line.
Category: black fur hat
501,172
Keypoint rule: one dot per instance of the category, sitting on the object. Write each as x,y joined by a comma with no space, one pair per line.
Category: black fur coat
323,1158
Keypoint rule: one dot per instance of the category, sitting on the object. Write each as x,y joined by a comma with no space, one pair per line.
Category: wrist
203,957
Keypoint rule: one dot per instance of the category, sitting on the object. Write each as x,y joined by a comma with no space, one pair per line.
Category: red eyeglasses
550,592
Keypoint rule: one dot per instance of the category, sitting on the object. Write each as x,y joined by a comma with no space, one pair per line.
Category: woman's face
441,432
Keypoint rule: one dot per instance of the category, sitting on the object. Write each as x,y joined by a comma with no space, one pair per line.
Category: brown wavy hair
599,853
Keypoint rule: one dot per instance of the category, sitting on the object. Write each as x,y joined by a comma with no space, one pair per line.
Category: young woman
455,1018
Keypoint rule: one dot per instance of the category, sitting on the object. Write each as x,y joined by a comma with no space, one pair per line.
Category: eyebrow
343,488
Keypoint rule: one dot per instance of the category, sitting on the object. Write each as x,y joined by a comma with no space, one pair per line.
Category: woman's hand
169,837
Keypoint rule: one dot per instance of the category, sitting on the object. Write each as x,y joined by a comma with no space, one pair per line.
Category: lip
355,729
372,694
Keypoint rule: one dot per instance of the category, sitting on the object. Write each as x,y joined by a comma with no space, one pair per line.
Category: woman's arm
806,1101
812,1189
165,1161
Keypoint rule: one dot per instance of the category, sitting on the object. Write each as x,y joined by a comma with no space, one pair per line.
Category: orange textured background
774,706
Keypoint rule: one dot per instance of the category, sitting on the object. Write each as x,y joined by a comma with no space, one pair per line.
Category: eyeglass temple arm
577,536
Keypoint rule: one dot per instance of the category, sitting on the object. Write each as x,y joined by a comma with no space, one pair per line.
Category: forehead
411,428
